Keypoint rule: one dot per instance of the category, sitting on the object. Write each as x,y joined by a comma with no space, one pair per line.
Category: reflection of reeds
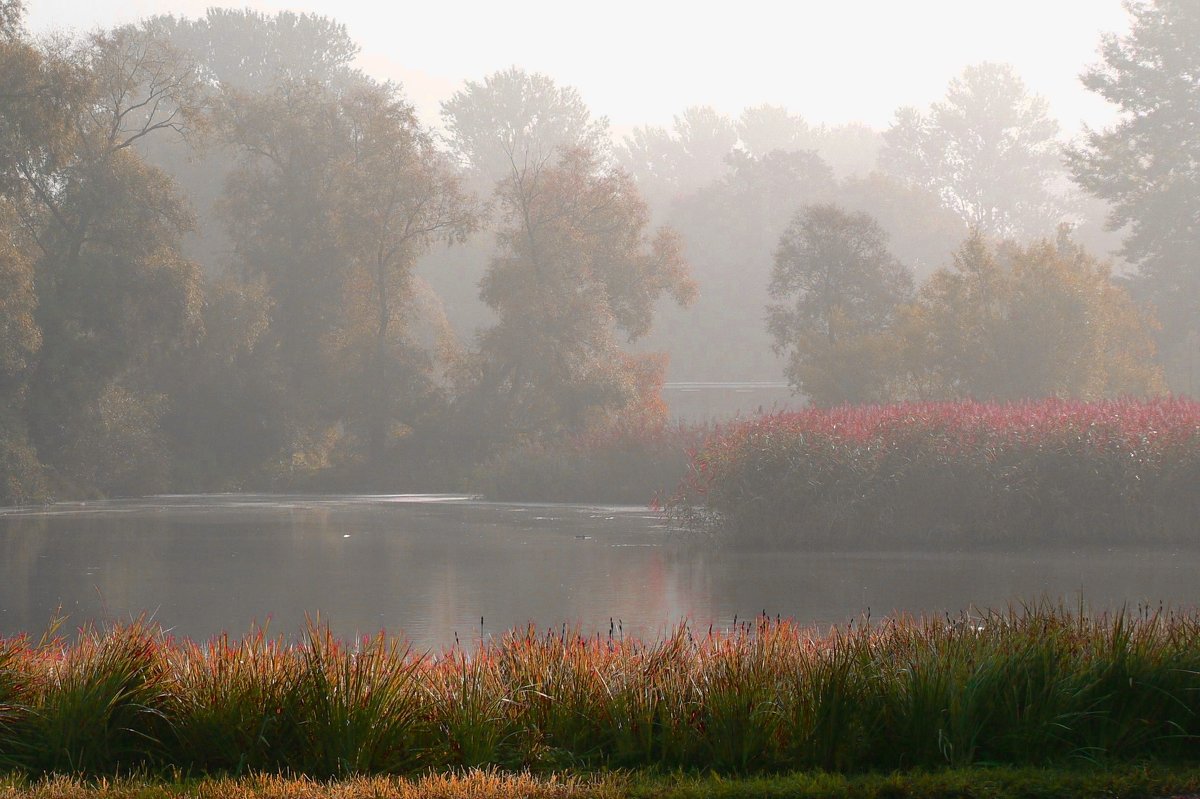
960,472
1029,686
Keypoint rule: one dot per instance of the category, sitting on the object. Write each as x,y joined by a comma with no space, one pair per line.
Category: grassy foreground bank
1034,686
1134,782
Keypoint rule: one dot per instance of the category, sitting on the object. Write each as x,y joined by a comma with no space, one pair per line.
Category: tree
510,121
849,149
764,129
1148,166
989,151
20,339
729,229
838,289
226,393
248,51
114,296
514,120
278,207
922,232
1010,322
337,195
397,196
12,12
31,117
576,269
672,164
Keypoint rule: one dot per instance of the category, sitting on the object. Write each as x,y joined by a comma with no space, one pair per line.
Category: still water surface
429,567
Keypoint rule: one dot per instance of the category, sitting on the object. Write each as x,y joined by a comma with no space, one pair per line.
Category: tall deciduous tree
989,151
838,289
1148,166
576,269
397,196
239,50
114,296
37,90
252,52
338,194
513,120
20,340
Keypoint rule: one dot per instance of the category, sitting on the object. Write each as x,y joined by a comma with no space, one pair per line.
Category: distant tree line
230,259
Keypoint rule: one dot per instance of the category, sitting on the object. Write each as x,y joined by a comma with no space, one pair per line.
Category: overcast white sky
641,61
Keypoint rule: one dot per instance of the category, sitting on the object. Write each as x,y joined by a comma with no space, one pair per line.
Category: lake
430,567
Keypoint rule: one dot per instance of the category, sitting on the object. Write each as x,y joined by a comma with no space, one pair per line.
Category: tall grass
95,706
954,472
1030,686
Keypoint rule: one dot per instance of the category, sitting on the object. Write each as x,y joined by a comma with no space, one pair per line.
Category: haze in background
639,63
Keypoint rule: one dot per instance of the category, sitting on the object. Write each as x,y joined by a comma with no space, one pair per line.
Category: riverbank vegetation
1035,686
953,473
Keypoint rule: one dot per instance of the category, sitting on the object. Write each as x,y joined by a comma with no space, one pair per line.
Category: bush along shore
956,473
1036,686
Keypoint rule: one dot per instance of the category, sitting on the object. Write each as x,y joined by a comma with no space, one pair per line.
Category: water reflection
430,567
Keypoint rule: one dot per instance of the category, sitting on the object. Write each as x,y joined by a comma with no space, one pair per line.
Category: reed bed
1029,686
952,472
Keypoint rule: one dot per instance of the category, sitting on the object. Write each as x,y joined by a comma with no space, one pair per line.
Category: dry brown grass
475,784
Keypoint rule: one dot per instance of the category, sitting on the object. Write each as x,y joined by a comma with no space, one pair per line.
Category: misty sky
641,61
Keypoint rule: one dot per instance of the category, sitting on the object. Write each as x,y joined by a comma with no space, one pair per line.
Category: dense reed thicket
955,472
631,464
1034,686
